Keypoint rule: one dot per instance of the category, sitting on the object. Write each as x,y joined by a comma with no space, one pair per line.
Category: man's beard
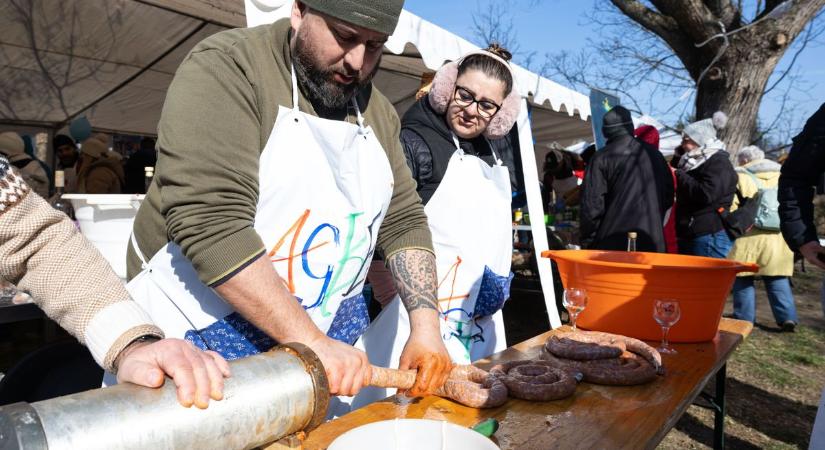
318,84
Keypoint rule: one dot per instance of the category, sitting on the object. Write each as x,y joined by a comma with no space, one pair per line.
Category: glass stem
573,319
664,337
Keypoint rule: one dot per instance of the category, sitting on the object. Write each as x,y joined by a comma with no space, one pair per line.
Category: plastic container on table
106,220
622,287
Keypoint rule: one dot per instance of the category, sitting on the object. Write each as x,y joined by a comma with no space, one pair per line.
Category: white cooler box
106,220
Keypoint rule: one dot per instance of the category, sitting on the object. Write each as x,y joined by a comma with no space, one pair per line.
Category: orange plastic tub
622,286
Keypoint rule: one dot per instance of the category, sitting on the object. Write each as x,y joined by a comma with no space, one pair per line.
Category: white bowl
412,434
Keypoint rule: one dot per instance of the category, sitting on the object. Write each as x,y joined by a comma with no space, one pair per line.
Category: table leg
719,415
717,404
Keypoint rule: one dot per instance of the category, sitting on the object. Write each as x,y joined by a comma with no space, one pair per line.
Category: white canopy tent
112,61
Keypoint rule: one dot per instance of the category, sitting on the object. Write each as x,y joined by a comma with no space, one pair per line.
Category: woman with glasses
466,191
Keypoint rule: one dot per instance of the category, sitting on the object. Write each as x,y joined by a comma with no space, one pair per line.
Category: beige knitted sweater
43,253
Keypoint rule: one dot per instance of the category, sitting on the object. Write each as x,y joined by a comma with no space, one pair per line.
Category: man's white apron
324,188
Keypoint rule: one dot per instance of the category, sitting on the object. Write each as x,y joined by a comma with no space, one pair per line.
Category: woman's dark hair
490,66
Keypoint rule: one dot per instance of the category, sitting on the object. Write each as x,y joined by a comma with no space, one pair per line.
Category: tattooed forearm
415,278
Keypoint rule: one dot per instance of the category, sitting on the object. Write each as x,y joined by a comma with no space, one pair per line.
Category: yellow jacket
766,248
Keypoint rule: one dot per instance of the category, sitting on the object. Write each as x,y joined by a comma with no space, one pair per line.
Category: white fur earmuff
443,89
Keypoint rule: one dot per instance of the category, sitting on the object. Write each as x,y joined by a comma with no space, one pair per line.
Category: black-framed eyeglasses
463,97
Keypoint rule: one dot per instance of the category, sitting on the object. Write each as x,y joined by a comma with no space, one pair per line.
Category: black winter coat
800,173
701,193
627,187
428,146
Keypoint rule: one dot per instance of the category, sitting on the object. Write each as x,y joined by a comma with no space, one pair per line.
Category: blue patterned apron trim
494,291
351,320
233,337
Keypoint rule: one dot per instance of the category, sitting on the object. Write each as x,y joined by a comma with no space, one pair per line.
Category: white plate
412,434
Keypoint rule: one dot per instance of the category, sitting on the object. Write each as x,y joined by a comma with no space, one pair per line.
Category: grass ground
774,383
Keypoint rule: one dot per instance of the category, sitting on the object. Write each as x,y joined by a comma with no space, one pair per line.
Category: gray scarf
696,157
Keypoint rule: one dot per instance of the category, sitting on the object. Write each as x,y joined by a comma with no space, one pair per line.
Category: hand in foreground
811,252
425,352
347,368
198,375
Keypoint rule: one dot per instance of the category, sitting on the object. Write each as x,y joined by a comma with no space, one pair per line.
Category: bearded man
279,175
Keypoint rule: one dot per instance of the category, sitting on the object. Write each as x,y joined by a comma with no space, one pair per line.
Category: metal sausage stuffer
269,396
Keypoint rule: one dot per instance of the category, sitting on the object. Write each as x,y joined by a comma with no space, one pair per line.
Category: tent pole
536,208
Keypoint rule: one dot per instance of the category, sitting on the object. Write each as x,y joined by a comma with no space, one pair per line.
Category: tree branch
792,22
653,21
668,29
805,40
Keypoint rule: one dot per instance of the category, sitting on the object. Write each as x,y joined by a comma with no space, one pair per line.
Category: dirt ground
774,382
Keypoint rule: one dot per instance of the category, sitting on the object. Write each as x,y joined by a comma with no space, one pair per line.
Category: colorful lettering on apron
331,280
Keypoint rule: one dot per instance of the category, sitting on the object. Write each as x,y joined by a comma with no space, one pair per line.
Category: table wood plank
594,417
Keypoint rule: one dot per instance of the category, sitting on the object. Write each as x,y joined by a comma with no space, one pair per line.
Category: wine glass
666,312
575,299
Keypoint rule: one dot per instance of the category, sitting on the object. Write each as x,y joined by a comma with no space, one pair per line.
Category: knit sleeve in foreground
43,253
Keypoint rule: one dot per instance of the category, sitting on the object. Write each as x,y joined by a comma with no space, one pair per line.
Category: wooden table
594,417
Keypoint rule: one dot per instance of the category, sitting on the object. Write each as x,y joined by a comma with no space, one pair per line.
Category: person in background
548,196
627,187
67,156
145,156
559,178
29,145
706,186
42,252
14,149
650,136
800,175
98,172
764,247
467,192
587,154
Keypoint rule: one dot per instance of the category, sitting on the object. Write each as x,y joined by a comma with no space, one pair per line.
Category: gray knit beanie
376,15
704,131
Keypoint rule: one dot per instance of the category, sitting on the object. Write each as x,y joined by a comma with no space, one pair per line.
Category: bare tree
678,47
493,22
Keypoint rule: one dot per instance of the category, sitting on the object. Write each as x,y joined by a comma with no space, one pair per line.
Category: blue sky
549,26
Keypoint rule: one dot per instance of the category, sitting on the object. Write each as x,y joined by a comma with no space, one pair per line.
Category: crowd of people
706,203
89,166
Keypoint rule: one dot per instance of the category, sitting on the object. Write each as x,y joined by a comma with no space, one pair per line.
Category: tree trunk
734,86
736,82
